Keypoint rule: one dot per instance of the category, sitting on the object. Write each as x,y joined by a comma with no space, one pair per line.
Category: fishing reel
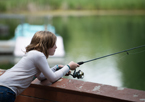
79,74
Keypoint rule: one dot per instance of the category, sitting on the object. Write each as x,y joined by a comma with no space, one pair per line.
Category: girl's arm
51,76
55,68
41,77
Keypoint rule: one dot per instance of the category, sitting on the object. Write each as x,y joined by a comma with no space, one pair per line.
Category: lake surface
90,37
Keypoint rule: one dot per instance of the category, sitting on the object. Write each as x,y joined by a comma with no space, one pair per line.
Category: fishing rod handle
80,63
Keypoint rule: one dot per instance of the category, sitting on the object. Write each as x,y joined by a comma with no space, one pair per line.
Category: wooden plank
21,98
69,90
65,96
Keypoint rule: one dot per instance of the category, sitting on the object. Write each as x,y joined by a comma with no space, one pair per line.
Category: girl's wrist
57,67
68,66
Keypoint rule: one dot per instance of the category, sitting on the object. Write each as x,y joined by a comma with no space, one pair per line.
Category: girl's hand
60,66
67,74
73,65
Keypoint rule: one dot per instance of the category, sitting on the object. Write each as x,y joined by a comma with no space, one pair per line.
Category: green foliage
12,24
2,6
6,65
16,5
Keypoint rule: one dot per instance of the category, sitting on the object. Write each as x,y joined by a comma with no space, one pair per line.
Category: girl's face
52,50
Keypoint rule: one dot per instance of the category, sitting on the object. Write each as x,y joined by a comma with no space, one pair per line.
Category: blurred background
90,29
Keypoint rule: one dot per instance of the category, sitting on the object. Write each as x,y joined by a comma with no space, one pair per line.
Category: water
89,37
95,36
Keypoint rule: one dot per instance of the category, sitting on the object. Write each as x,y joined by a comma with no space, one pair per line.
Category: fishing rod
82,62
80,75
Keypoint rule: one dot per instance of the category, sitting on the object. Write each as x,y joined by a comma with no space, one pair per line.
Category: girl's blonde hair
42,41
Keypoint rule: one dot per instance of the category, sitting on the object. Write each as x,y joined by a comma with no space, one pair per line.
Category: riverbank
80,12
31,5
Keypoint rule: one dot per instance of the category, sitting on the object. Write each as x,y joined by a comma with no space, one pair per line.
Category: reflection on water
103,71
90,37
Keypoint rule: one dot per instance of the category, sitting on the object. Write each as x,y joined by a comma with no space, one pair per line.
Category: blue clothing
6,94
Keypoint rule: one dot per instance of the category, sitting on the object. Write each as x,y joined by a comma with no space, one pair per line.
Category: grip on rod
80,63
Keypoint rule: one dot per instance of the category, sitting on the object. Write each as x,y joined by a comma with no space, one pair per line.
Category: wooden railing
70,90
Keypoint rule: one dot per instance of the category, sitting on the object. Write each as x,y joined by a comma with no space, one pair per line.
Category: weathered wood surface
69,90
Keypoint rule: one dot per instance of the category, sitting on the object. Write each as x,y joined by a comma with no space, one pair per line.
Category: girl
34,63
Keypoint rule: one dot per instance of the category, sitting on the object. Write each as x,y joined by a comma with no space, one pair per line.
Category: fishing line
137,52
82,62
131,54
123,56
79,74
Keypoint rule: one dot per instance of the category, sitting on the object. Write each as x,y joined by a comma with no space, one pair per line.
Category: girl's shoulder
35,53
